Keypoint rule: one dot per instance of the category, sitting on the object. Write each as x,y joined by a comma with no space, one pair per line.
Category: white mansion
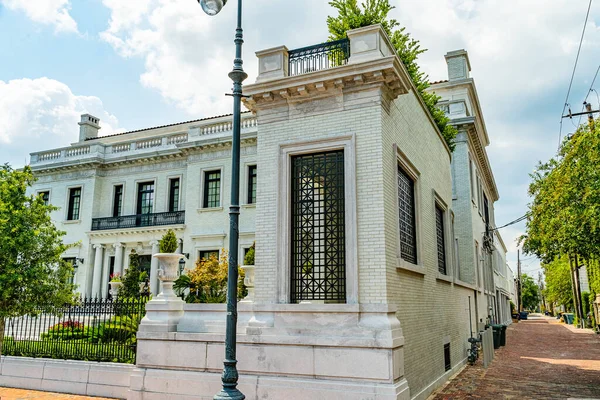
372,237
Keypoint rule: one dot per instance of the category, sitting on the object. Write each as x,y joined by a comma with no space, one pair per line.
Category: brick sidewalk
21,394
542,359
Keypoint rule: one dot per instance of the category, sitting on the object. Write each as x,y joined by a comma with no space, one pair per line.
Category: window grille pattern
318,270
406,215
252,184
174,195
118,201
441,243
212,189
74,204
45,197
145,203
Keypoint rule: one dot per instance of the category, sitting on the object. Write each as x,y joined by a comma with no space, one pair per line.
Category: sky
142,63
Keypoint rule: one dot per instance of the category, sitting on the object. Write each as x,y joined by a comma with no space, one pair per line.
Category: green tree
33,276
558,282
530,292
131,280
352,16
168,243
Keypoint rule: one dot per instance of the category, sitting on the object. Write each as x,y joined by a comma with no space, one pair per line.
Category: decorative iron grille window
212,189
447,362
74,204
318,270
118,201
45,197
174,195
441,243
252,184
406,215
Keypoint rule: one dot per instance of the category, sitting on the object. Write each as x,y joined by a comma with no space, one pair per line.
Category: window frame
70,214
402,161
170,197
114,197
208,250
41,192
284,170
249,183
137,195
203,188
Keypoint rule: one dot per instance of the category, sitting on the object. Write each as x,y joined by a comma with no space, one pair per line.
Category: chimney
88,127
458,65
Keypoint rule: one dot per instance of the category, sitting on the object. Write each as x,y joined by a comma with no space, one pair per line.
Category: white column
118,258
105,277
97,280
126,259
154,269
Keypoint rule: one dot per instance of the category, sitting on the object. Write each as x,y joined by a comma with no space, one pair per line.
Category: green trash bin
503,335
497,331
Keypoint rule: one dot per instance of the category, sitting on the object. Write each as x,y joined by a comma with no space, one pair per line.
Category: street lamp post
237,75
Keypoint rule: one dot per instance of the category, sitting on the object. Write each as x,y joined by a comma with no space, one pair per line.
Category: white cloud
41,114
47,12
188,54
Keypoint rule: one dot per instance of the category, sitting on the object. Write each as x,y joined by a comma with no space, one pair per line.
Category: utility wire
516,221
573,73
590,91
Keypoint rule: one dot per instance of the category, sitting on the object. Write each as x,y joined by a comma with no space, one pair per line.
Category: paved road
542,360
20,394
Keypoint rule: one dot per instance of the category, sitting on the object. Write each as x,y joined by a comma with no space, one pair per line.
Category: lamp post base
229,394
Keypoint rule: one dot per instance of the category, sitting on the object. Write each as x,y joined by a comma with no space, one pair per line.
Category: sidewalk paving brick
542,359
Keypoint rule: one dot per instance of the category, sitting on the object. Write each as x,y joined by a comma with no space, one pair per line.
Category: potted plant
115,284
169,263
248,269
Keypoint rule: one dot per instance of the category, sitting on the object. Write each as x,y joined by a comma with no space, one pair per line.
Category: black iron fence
91,330
318,57
139,220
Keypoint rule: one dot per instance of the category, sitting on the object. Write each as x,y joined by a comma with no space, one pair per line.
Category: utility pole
578,291
576,297
519,308
588,108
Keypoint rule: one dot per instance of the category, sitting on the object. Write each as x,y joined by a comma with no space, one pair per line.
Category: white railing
120,148
51,155
146,144
176,139
77,151
150,143
228,126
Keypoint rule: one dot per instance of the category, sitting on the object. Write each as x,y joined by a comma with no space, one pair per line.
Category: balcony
318,57
138,221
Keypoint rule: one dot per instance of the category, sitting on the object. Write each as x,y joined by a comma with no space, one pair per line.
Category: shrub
68,330
131,279
208,281
168,243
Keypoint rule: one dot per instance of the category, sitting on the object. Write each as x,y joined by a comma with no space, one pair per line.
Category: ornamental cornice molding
135,231
483,162
385,71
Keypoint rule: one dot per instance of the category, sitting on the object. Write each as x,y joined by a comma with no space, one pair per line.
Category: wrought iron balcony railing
318,57
139,220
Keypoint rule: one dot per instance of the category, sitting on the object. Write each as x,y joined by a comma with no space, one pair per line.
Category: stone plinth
304,351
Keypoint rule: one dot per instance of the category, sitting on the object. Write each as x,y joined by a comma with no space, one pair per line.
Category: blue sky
141,63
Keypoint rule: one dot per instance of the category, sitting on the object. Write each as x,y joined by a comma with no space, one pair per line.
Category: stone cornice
135,231
385,71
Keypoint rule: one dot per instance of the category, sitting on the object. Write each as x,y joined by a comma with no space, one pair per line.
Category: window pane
45,197
74,204
174,195
252,184
118,201
145,198
406,214
212,189
207,254
441,245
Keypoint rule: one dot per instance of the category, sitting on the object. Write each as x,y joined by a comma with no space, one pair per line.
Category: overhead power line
590,91
573,73
516,221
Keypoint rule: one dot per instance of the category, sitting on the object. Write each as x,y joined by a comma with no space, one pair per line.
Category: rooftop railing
319,57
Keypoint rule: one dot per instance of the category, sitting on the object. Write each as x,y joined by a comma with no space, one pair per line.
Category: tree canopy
558,288
352,16
33,276
530,293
